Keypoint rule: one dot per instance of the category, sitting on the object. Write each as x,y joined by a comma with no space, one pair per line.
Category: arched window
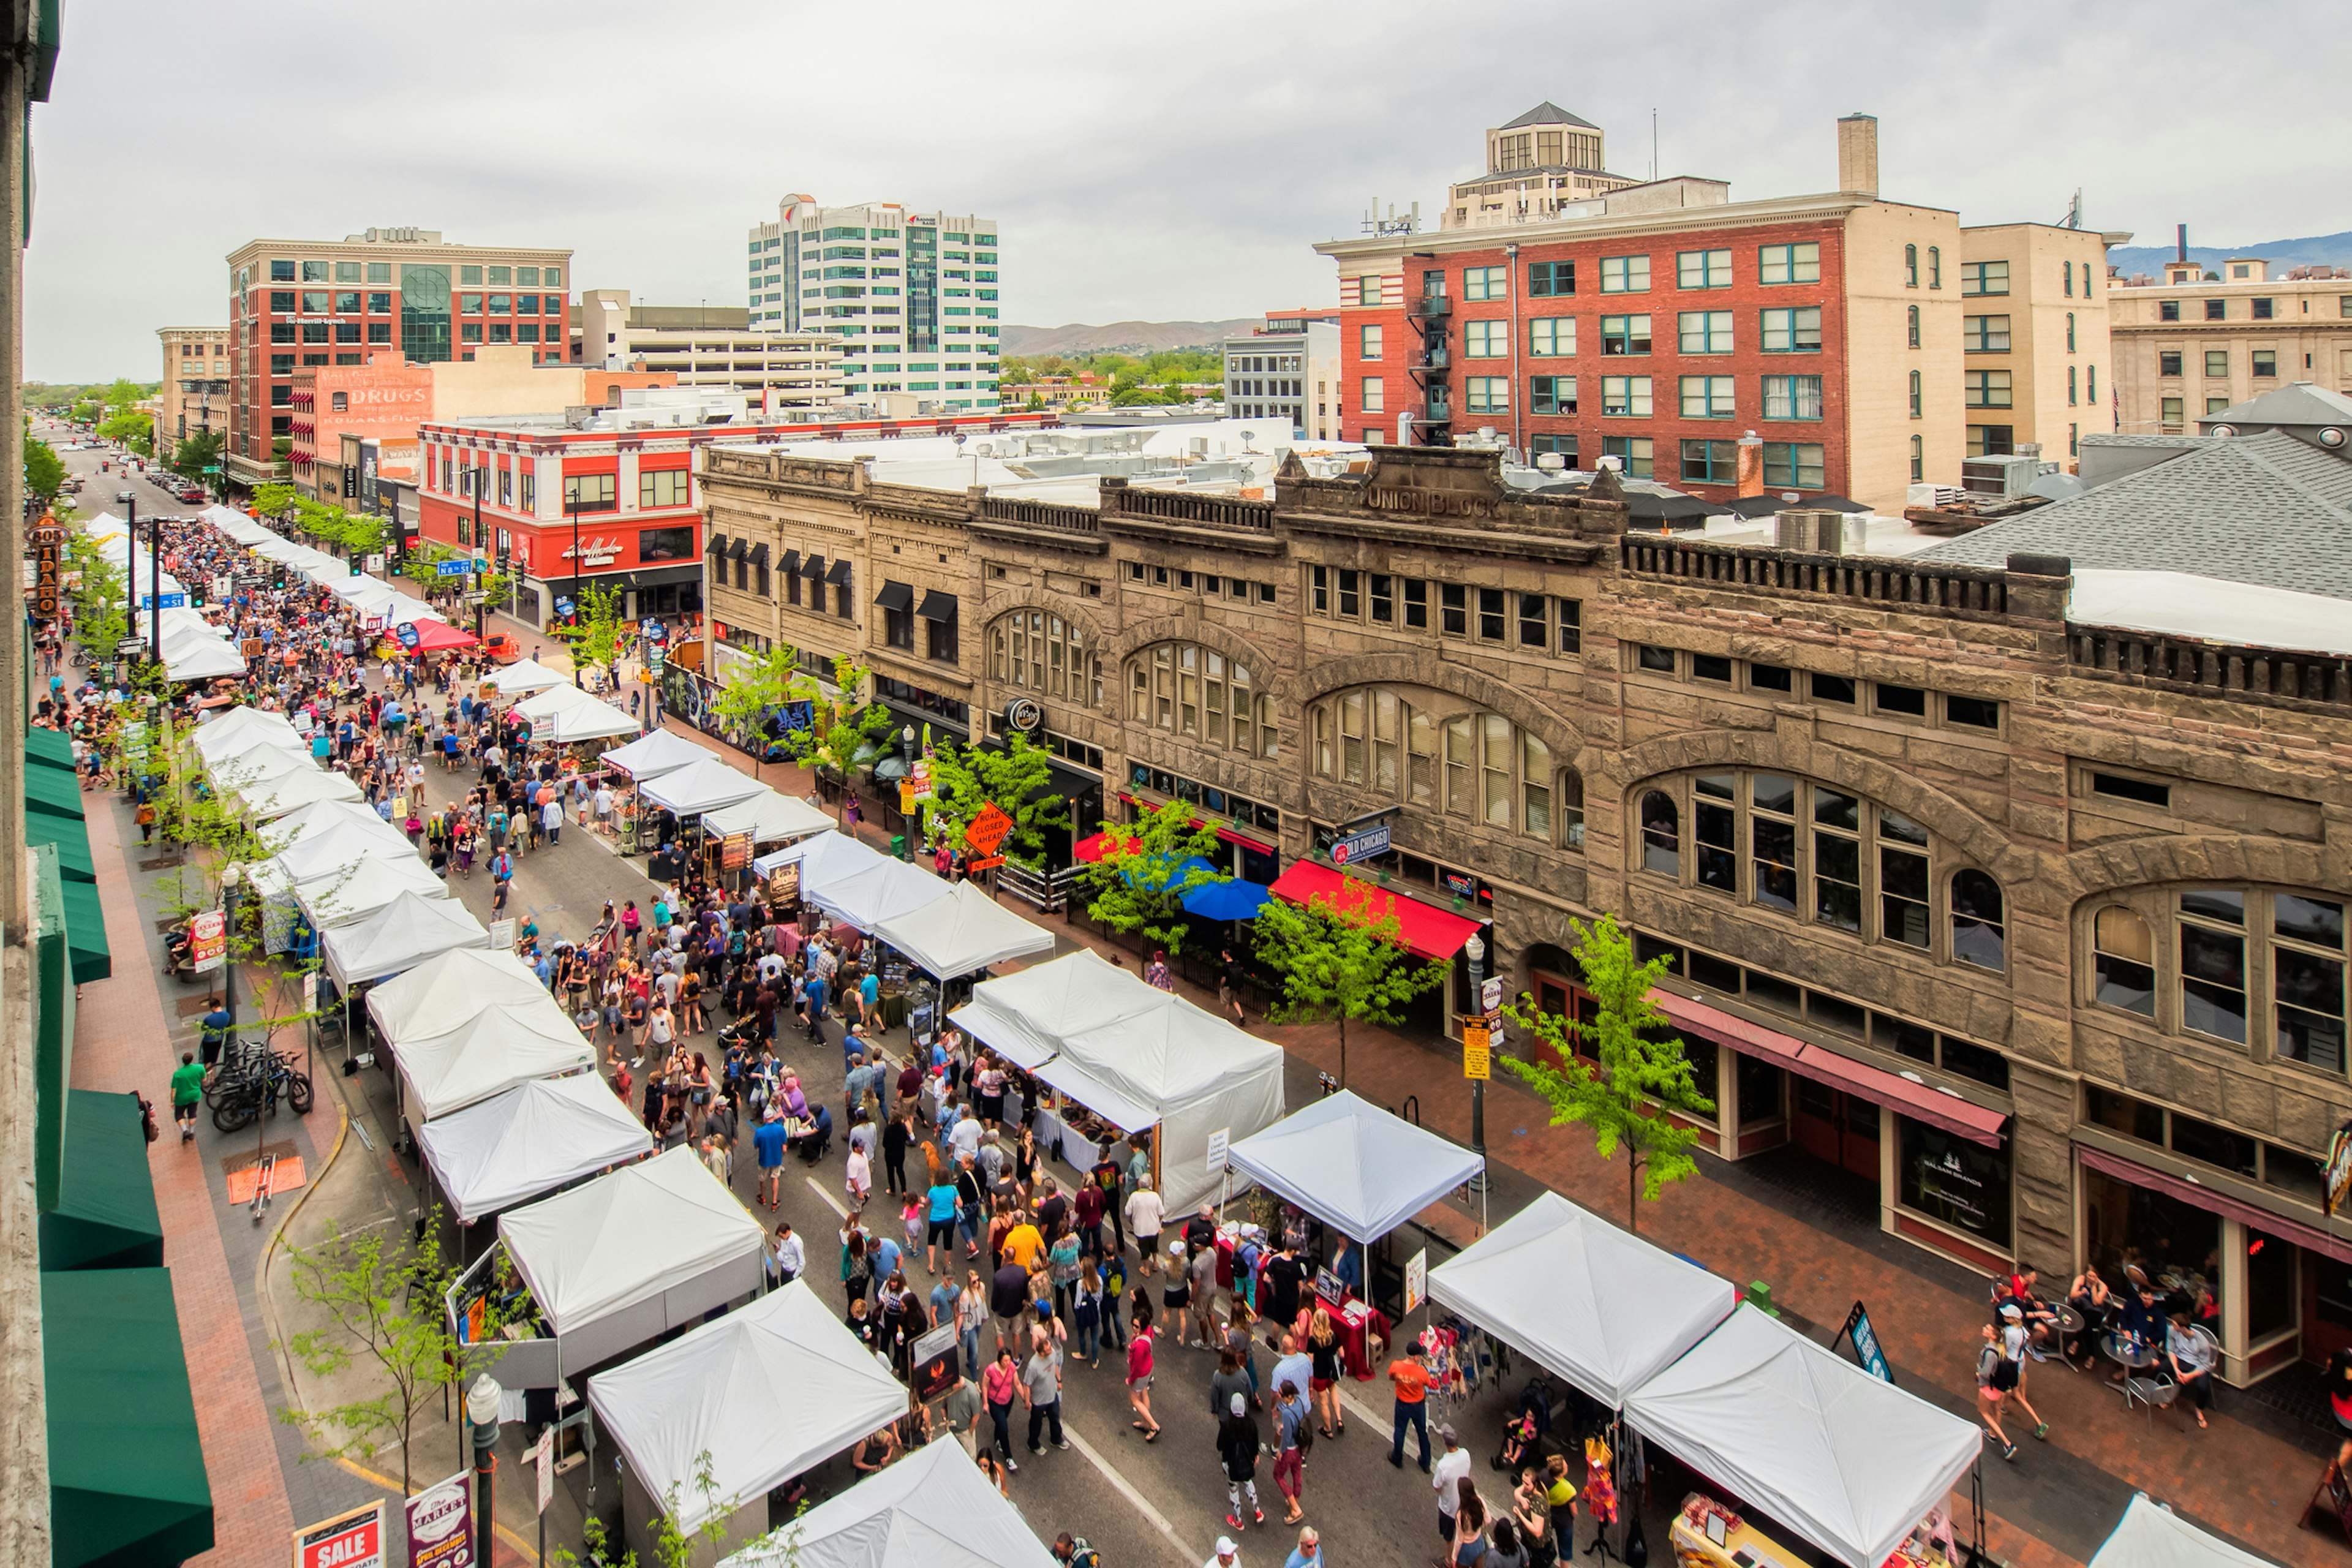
2123,961
2069,384
1978,927
1915,394
1912,317
1478,766
1198,691
1534,788
1935,267
1910,266
1044,654
2070,329
1662,835
1918,460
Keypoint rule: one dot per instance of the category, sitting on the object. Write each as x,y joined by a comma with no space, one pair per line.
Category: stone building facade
2033,931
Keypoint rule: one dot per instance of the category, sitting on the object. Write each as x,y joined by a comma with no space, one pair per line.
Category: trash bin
898,846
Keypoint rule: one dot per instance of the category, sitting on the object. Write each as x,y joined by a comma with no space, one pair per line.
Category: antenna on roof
1653,145
2073,218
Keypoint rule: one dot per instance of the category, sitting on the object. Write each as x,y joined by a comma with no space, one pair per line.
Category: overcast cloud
1160,162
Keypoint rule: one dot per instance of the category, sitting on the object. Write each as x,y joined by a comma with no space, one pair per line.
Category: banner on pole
439,1521
208,940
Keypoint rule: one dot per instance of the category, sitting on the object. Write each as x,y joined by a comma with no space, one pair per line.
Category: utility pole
1474,951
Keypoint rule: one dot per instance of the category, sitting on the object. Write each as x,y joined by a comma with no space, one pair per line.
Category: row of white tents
193,648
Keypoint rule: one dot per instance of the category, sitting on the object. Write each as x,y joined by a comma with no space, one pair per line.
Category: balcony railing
1436,357
1432,305
1437,411
1040,514
1971,591
1206,512
2212,668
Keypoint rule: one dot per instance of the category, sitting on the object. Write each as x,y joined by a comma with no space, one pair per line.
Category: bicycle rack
1409,1111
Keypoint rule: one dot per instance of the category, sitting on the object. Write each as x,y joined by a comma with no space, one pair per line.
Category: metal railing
2211,668
1432,305
1047,893
1971,591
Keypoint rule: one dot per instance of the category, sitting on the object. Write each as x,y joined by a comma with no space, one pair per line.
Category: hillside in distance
2316,250
1118,337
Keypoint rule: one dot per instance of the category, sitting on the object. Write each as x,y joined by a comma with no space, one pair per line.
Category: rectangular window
2168,310
1485,283
1383,597
1367,340
1371,395
315,302
1704,332
1491,616
1488,394
1976,713
1571,625
1555,279
2168,362
661,488
1707,397
1416,603
1552,336
1351,593
1987,388
1793,466
1552,393
1984,334
1624,275
1453,607
2260,362
1625,396
1991,440
1624,335
1535,625
1908,701
347,331
1703,269
1792,397
1788,263
2213,965
1711,462
1650,657
347,299
1486,340
1367,292
1792,330
2217,309
2173,411
1983,278
591,492
1632,451
1552,441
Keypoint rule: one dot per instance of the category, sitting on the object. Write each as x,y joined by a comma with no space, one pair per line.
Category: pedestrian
768,1143
2186,1352
1041,1387
1469,1526
1227,1556
1310,1552
1138,1371
188,1090
1143,1218
1290,1418
2014,1339
940,1229
961,1411
1157,973
860,1180
213,1032
1176,1296
1450,1480
791,1255
1410,1377
1238,1443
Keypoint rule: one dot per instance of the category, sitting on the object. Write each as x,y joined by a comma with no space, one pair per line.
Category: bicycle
247,1097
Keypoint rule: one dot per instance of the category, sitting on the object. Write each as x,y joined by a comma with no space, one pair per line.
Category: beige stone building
1997,926
710,346
2033,338
194,397
1539,163
2192,346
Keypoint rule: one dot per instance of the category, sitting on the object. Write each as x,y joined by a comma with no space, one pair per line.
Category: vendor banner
784,884
735,852
208,939
354,1540
438,1517
932,1358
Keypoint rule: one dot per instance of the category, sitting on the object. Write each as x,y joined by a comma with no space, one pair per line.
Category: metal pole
1476,950
573,506
481,549
907,755
154,582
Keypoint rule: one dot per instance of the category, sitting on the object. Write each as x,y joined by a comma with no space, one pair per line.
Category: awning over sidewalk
1920,1101
105,1214
127,1480
2200,1196
1429,933
86,950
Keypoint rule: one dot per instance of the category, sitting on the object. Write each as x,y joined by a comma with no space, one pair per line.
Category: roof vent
2222,430
2333,436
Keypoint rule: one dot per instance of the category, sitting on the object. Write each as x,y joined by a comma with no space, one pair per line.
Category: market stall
495,1050
686,792
871,895
962,932
203,659
756,1398
2152,1536
932,1509
228,733
532,1139
399,936
1594,1304
770,817
305,823
259,765
524,678
1852,1463
342,844
613,1262
350,893
648,757
824,857
276,797
1353,1165
562,715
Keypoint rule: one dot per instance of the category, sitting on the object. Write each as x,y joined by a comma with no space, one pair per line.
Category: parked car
125,497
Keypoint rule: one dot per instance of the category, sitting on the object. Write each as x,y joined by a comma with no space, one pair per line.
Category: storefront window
2270,1285
1759,1092
2175,1246
1956,1181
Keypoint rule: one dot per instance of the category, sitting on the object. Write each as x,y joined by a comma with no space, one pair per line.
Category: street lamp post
1476,951
906,756
154,581
478,549
482,1414
571,505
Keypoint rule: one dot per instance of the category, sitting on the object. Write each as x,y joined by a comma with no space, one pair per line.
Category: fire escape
1433,366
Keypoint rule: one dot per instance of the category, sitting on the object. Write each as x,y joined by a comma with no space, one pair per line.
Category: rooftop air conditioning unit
1809,533
2004,477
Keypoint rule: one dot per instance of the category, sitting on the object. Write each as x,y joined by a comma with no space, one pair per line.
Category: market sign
47,537
932,1359
437,1519
1416,1280
1867,1348
735,852
208,940
1361,845
406,633
354,1540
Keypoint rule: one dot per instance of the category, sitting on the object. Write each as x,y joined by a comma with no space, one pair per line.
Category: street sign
354,1540
164,602
502,935
543,1455
985,863
1867,1348
208,939
455,568
439,1524
1416,1280
1363,845
987,829
375,563
1475,1039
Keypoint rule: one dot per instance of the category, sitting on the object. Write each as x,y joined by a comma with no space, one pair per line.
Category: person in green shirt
187,1091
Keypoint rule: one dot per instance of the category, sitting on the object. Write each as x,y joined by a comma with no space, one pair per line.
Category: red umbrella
436,637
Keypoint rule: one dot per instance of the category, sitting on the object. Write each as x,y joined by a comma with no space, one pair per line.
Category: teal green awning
105,1212
50,746
85,932
127,1480
71,837
48,790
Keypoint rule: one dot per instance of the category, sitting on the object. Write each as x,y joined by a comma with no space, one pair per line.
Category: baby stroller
1525,1429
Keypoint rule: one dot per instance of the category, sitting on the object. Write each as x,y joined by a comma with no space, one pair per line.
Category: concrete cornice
417,249
1829,206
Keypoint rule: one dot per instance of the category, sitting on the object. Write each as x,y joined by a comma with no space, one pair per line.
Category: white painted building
1287,370
782,374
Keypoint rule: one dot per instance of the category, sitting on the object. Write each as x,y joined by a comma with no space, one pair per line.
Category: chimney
1747,469
1858,154
2181,236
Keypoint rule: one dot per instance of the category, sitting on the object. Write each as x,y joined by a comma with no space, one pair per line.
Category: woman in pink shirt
1138,1371
1000,1385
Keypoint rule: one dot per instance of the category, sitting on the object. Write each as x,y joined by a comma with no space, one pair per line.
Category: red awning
1429,933
1920,1101
1224,830
1090,849
2197,1195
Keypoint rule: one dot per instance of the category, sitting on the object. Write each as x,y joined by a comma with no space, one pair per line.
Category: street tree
1340,959
756,692
1629,1097
101,616
846,729
1146,868
273,500
45,471
595,637
192,454
1015,776
134,427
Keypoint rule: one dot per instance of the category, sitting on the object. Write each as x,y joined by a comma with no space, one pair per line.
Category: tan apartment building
2033,338
194,397
1544,159
2195,344
711,346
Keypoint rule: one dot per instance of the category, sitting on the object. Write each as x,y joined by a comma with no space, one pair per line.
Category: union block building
2023,933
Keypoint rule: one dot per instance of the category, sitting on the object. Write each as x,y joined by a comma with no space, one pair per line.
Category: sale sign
354,1540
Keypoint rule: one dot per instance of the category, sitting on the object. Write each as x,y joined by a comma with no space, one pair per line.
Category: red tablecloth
1359,1325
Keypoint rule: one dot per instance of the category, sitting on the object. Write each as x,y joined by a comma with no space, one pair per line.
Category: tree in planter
1642,1075
1141,879
846,727
675,1548
1014,776
597,637
1340,962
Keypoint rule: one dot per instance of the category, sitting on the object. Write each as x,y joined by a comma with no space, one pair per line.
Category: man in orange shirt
1412,1381
1022,1243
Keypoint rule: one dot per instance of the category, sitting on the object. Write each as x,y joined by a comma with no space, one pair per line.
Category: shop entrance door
1562,998
1837,1128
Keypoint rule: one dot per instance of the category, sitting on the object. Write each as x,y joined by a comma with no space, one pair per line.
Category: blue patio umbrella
1177,877
1234,899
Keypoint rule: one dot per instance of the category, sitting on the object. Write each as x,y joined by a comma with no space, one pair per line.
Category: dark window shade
759,556
812,568
895,596
839,575
738,549
792,563
717,545
937,606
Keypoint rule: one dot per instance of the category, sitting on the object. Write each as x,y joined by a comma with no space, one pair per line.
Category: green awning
48,790
71,835
50,746
127,1480
105,1214
85,932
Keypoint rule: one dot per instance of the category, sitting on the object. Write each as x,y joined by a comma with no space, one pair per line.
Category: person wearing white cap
1238,1442
1227,1556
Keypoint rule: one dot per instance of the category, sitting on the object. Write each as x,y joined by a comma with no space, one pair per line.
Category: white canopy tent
305,823
228,756
449,989
204,660
261,764
401,935
1594,1304
688,792
533,1139
871,895
821,855
767,816
226,735
405,608
2149,1536
355,587
1849,1462
1020,1016
279,796
342,844
758,1396
524,678
1353,1165
932,1509
488,1054
651,754
349,894
961,932
563,714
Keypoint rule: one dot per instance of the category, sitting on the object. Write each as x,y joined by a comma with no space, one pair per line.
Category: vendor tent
444,992
401,935
1352,1164
533,1139
214,739
440,636
932,1509
758,1396
1596,1305
204,661
347,894
565,713
300,827
344,844
1848,1461
961,932
767,816
706,785
525,677
279,796
822,855
649,756
262,765
2150,1536
493,1051
872,895
1020,1017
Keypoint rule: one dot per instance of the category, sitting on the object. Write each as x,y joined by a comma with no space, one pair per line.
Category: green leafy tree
1016,777
597,638
134,427
380,1295
1340,962
45,471
87,411
846,729
125,394
754,691
102,615
1139,883
192,454
1642,1075
675,1548
274,501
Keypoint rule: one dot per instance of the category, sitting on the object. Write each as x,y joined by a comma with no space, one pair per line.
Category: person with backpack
1072,1552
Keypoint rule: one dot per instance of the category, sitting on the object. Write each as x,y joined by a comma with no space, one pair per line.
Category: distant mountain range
1119,337
2318,250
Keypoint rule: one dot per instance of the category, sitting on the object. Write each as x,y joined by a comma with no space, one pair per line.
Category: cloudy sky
1155,162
